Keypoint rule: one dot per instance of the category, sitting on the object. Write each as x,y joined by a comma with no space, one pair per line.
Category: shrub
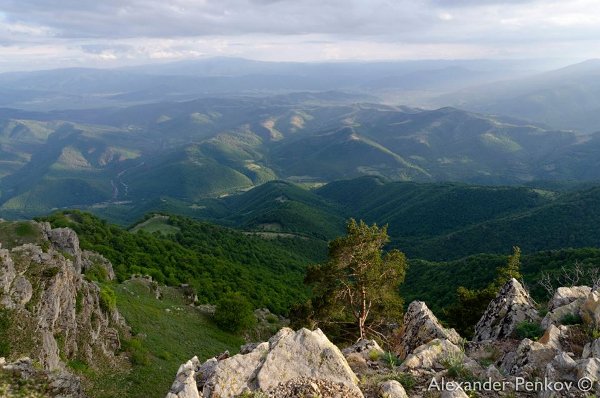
108,299
97,273
374,355
234,313
571,319
529,330
391,359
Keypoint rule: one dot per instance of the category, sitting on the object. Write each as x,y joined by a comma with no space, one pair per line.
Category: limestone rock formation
289,361
512,306
56,312
420,327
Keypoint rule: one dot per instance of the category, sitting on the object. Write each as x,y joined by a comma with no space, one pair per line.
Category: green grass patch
167,333
157,223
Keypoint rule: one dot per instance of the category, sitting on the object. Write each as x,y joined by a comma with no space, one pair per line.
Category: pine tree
359,283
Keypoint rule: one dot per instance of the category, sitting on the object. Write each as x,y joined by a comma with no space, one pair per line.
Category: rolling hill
206,148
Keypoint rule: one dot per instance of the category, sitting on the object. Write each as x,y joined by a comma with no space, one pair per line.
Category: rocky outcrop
420,326
23,379
55,312
287,362
512,306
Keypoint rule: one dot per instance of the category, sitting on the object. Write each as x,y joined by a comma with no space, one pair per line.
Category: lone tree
359,283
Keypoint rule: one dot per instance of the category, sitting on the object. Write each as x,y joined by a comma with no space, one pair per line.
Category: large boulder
566,295
289,361
392,389
512,306
421,326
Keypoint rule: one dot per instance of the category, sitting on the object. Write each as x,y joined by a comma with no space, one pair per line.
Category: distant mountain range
567,98
205,148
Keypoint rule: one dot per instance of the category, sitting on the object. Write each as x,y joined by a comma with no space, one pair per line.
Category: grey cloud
152,18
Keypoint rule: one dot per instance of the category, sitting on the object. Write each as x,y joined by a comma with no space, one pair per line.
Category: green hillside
212,259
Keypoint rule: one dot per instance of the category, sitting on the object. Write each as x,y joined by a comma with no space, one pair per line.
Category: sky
40,34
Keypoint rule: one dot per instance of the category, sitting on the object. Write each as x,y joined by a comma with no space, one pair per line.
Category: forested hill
211,259
434,221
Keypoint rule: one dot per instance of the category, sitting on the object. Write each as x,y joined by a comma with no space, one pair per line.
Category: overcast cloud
51,33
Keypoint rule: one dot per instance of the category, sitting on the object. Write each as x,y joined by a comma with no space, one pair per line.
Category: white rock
392,389
421,326
566,295
184,385
512,306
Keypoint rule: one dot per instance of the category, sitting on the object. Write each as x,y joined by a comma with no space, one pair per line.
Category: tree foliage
234,313
472,303
359,283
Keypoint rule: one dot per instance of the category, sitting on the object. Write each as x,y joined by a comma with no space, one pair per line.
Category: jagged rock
392,389
530,358
286,357
237,374
589,368
420,327
59,384
566,295
50,300
430,355
551,338
512,306
64,240
366,348
555,316
591,350
590,309
184,385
